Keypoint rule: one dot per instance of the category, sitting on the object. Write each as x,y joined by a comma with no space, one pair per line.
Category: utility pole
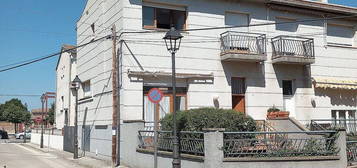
115,131
42,102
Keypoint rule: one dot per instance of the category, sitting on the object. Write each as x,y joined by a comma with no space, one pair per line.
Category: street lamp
43,97
75,86
173,41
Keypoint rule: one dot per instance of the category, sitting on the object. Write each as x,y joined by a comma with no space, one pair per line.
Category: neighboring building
65,101
306,68
36,116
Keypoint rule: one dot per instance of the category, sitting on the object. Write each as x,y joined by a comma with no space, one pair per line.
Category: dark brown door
238,94
238,103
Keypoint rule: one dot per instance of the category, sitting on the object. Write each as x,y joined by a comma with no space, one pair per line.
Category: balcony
242,46
293,50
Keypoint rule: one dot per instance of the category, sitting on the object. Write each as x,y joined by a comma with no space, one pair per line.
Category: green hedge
197,119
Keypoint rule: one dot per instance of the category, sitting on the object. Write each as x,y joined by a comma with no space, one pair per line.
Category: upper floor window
340,34
86,89
237,19
290,27
154,17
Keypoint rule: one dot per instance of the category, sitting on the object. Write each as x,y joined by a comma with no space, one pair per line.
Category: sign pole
155,96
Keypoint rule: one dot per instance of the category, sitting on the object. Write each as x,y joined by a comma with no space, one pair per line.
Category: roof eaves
327,7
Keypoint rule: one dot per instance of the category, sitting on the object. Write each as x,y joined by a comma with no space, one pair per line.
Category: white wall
52,141
263,81
65,73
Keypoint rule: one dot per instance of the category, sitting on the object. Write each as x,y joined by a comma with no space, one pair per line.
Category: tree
15,112
50,118
2,108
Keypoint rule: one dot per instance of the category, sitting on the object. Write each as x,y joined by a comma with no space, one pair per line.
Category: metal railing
351,147
243,42
190,142
279,144
293,46
331,124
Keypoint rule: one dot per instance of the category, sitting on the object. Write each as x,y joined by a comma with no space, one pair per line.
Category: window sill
341,46
163,30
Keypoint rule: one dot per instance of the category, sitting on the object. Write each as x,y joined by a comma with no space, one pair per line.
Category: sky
36,28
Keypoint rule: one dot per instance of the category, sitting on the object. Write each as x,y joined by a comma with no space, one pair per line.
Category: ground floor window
166,104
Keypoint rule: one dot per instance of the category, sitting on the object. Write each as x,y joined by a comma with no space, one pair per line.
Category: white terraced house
306,68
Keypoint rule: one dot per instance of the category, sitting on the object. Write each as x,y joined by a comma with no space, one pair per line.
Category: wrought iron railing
332,124
351,147
243,43
190,142
293,46
279,144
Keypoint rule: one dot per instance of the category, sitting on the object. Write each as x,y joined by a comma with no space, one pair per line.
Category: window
238,86
237,19
93,27
86,89
340,35
290,27
287,87
163,18
166,104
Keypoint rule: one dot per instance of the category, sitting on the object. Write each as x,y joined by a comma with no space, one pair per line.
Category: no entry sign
155,95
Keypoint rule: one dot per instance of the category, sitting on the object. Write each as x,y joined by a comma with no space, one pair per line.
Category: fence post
341,144
213,142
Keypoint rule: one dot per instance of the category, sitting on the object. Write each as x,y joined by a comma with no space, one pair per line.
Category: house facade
307,68
65,100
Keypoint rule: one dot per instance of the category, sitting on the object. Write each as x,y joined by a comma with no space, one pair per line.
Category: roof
316,5
66,47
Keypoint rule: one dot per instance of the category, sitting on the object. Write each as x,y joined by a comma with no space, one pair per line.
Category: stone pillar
213,141
341,144
129,140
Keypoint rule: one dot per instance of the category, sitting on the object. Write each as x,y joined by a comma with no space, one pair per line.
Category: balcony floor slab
293,60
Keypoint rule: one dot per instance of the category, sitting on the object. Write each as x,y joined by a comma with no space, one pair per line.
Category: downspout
69,90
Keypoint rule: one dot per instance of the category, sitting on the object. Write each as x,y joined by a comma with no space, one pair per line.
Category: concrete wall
213,142
52,141
130,157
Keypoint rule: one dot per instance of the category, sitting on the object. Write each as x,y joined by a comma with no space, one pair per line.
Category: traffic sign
38,119
155,95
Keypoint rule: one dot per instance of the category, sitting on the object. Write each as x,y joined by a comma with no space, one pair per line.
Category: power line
187,30
52,55
18,95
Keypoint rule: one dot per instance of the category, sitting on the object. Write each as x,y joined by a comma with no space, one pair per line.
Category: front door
238,94
288,97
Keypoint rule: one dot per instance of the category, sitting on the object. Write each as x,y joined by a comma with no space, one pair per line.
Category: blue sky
35,28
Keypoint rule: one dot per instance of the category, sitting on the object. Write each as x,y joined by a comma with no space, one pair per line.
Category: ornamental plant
198,119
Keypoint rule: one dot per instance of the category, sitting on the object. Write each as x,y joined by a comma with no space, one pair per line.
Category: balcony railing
279,144
290,48
243,43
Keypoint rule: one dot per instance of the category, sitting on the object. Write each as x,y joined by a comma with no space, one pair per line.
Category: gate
68,139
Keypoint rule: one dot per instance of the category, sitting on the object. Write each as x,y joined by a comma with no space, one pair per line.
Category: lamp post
75,86
43,97
173,41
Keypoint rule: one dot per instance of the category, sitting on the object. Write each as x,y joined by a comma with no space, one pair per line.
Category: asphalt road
15,155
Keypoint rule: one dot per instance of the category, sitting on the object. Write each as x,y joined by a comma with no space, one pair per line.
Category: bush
197,119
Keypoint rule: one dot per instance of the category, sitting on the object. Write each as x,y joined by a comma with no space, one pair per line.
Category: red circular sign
38,119
155,95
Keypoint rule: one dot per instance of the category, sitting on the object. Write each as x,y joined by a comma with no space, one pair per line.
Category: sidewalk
84,161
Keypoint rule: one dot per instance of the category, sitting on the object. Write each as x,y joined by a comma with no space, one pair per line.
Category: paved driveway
14,155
